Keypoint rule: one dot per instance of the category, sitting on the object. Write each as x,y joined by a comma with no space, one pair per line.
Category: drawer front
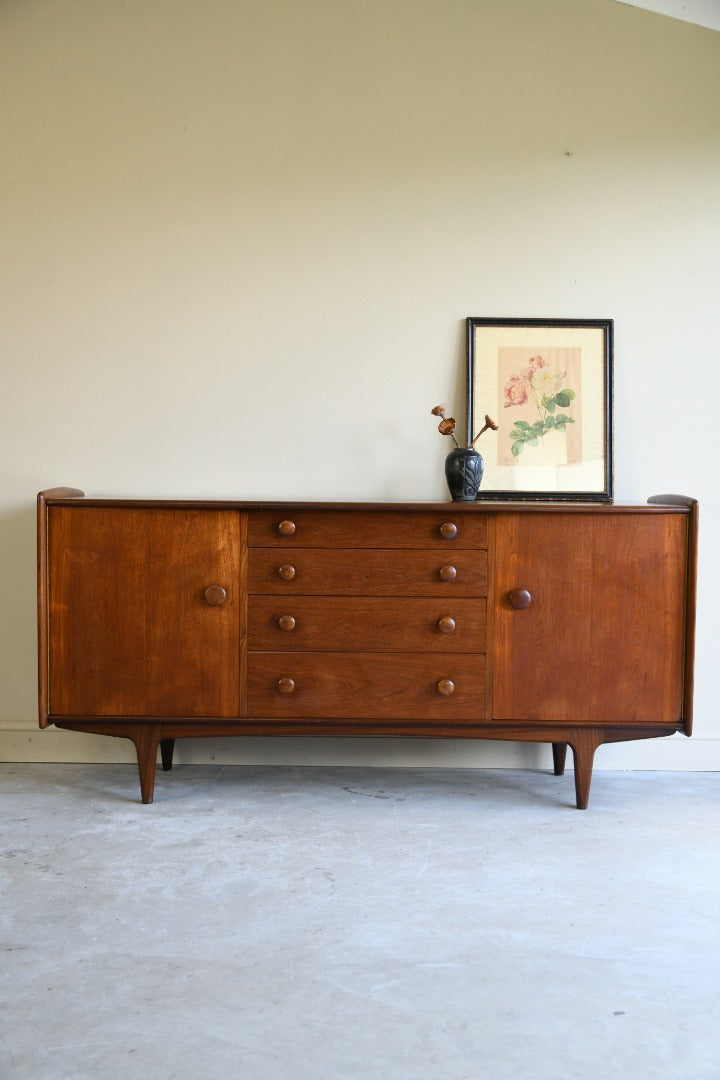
367,572
367,528
316,623
383,686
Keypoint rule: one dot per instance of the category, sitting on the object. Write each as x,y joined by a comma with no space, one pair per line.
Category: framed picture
547,383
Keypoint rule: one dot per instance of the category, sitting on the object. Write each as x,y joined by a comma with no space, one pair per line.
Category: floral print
543,387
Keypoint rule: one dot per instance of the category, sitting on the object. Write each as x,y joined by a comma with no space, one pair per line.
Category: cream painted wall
239,239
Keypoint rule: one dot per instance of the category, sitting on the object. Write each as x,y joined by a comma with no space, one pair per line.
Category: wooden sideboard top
656,503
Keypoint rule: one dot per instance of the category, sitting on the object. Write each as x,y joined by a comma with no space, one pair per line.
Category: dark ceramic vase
464,472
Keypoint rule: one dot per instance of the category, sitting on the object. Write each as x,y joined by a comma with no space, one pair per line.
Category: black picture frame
547,383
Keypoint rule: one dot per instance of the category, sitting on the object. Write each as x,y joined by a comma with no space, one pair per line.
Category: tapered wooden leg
559,750
166,753
584,745
146,743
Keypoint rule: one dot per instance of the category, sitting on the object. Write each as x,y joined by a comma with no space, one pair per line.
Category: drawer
384,686
367,572
367,528
403,624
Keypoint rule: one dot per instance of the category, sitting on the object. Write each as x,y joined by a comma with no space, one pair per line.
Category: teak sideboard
565,623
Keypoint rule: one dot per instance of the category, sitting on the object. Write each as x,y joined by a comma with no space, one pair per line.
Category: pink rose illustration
534,364
516,391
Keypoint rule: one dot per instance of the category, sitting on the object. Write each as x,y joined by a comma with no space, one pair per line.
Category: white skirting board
674,753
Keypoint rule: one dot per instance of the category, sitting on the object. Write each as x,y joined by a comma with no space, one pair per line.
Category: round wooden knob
446,687
286,685
520,599
446,625
286,571
448,530
286,622
215,595
286,528
447,573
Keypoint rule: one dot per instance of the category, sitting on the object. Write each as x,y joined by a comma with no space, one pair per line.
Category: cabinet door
131,631
602,637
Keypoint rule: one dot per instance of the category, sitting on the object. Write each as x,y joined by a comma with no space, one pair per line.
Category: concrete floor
342,923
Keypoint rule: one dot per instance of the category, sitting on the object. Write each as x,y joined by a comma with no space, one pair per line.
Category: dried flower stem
451,433
488,424
447,424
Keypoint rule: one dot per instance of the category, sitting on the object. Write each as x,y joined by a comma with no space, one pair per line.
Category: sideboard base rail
148,736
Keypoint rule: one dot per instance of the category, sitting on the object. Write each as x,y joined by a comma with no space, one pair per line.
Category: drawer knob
446,625
286,622
520,599
448,530
286,528
215,595
446,687
448,573
286,685
286,571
